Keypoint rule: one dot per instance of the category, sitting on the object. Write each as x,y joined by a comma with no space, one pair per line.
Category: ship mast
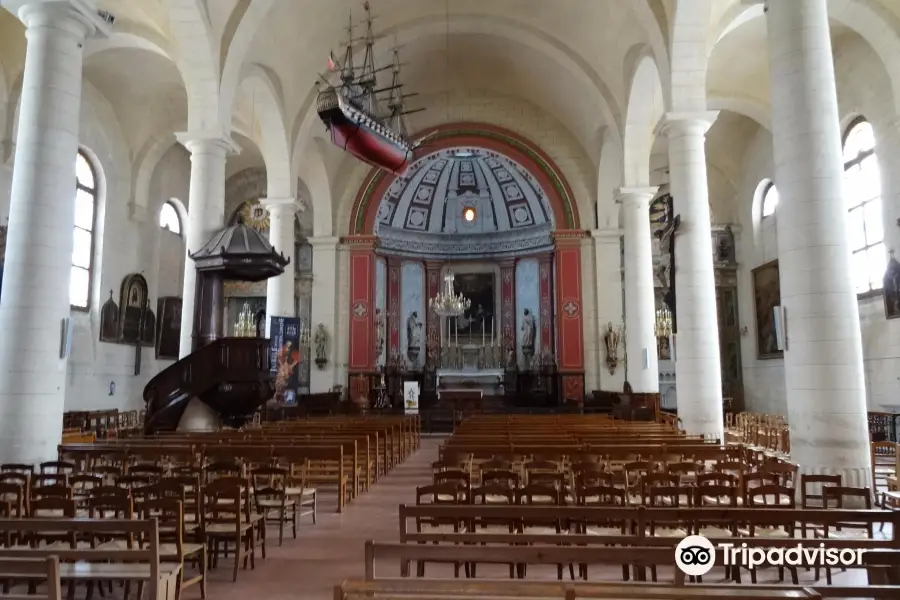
396,122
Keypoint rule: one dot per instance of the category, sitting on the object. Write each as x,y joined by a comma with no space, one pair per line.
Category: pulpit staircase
230,375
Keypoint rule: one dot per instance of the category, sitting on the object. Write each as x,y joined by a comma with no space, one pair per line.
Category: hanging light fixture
448,304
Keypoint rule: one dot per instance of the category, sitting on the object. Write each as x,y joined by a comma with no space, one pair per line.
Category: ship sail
351,107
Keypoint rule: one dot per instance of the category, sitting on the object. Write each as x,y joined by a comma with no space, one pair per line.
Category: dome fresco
436,191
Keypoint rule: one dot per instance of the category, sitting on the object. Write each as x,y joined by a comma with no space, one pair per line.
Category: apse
466,202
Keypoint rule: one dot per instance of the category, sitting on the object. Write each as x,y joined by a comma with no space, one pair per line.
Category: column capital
324,241
208,142
637,197
80,17
676,124
434,265
507,263
280,206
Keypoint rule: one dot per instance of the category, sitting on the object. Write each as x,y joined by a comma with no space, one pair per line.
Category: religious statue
666,237
528,332
892,288
321,341
413,337
612,338
379,334
725,251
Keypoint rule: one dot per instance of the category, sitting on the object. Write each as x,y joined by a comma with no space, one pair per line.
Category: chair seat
715,532
493,529
844,534
496,499
604,531
300,491
171,550
542,530
267,503
225,528
667,532
722,500
667,500
770,501
765,532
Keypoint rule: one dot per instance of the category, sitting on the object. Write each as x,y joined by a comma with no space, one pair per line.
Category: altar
489,382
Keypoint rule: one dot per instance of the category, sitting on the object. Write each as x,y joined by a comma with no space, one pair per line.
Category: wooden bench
402,589
140,564
34,570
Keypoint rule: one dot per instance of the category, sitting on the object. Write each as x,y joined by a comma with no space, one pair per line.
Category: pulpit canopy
240,253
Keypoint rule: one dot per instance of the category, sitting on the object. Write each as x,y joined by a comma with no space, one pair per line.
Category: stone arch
145,164
274,144
609,177
645,109
655,39
125,40
315,178
197,58
747,107
527,154
243,37
868,18
690,59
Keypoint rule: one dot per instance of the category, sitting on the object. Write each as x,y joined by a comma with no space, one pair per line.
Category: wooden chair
448,492
771,496
601,496
270,496
174,547
34,570
226,520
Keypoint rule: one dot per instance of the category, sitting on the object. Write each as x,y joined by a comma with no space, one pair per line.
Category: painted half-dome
462,201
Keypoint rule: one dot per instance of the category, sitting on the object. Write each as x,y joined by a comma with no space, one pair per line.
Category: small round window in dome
469,214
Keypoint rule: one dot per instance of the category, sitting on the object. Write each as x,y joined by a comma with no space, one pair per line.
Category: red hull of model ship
370,147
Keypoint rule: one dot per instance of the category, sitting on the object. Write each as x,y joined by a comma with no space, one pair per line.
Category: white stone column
697,362
280,290
325,310
35,298
608,265
206,212
640,296
823,363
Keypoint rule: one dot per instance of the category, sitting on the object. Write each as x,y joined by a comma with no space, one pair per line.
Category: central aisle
331,551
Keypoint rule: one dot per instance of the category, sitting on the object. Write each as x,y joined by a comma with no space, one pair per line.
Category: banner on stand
411,397
284,351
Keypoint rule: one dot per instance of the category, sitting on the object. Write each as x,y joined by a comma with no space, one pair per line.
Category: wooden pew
34,570
402,589
140,564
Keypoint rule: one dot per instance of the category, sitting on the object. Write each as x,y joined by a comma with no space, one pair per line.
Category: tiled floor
323,555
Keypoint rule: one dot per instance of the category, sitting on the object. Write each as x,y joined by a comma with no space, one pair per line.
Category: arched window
862,194
168,218
770,200
83,248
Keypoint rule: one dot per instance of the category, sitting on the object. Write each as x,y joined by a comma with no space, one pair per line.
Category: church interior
576,290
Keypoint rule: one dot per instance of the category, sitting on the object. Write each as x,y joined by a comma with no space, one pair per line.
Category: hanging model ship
360,119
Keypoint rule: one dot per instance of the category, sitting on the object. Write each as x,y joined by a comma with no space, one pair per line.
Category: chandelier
663,324
448,304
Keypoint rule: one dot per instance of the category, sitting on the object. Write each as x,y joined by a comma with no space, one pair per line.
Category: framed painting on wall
767,295
891,289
